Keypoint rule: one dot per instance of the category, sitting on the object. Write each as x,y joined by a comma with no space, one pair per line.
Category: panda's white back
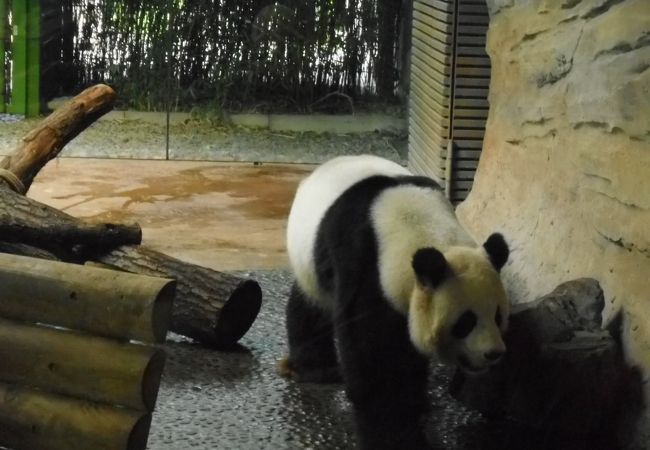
313,198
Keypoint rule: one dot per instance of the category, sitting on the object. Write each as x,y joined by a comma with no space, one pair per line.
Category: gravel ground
207,141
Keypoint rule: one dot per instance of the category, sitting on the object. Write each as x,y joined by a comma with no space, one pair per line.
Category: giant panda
385,280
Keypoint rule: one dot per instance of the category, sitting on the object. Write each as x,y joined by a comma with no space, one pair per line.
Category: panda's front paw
284,368
324,375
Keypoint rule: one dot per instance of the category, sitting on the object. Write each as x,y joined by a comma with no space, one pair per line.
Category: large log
29,222
53,133
214,308
82,366
33,420
100,301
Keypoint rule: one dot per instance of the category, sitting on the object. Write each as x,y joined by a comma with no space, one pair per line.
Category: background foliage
298,55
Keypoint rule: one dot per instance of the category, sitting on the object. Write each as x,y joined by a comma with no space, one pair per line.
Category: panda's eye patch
464,325
497,317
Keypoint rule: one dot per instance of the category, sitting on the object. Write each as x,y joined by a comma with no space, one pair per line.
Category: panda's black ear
497,250
430,266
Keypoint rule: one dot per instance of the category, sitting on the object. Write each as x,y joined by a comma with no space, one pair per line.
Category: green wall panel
25,95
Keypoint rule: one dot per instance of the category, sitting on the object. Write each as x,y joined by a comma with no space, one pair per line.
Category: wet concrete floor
236,401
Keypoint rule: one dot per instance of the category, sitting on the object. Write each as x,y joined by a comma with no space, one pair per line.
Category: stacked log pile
78,366
213,308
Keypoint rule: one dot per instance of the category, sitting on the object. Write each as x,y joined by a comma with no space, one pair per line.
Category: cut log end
238,314
163,311
151,379
140,433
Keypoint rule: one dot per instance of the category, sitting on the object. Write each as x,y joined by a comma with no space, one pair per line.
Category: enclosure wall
564,172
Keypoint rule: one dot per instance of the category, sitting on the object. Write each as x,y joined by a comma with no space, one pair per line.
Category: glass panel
236,80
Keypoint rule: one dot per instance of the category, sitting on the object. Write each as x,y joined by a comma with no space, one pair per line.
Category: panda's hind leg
312,353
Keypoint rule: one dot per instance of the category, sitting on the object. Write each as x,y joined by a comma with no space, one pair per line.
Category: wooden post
77,365
100,301
35,420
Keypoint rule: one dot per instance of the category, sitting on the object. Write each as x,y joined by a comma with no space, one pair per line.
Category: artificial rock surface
563,373
565,168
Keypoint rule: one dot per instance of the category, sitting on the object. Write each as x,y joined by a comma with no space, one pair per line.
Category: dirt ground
226,216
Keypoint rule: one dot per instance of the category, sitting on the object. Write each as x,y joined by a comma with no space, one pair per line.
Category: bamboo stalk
100,301
33,420
77,365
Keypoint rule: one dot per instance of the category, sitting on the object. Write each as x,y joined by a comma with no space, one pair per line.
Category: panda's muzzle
493,356
468,367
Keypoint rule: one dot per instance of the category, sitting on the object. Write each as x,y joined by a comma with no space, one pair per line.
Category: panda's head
458,308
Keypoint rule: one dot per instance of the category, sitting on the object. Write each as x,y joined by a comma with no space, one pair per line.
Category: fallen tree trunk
214,308
23,220
53,133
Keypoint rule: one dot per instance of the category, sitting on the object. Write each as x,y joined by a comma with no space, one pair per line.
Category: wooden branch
81,366
34,420
27,221
55,131
212,307
100,301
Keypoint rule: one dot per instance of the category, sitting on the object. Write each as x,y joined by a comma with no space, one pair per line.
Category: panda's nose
493,355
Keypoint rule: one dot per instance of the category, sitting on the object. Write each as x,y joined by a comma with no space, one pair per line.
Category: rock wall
565,169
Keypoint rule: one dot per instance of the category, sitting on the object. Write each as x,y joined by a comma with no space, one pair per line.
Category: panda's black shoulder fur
385,376
345,234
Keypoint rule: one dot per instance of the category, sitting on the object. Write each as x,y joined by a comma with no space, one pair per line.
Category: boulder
563,373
